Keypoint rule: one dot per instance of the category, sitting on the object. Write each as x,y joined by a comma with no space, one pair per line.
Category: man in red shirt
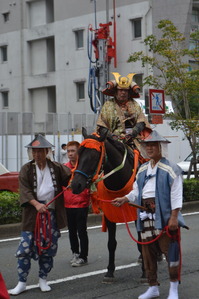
77,206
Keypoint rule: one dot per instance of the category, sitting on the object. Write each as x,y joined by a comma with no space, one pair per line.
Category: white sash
45,188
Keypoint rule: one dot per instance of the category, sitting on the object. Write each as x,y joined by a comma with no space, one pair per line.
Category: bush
191,190
10,209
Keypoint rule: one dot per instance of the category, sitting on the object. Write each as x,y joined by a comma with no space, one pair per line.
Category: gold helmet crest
123,82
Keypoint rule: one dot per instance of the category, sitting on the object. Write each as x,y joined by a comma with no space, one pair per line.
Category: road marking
78,276
190,214
62,232
89,228
88,274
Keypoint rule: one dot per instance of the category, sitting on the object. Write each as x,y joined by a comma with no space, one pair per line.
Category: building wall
29,39
40,36
14,10
44,64
178,11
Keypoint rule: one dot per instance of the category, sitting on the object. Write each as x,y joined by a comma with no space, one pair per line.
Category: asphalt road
86,282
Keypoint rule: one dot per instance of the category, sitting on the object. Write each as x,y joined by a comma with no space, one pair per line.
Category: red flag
3,289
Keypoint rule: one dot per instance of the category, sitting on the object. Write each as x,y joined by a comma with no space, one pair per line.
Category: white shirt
149,189
64,156
45,188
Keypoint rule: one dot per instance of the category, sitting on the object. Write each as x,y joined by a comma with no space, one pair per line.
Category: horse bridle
89,177
99,146
83,173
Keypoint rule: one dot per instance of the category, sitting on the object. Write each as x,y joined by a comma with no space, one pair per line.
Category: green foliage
169,58
190,190
168,61
10,210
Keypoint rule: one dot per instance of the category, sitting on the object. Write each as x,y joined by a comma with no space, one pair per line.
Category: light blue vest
165,175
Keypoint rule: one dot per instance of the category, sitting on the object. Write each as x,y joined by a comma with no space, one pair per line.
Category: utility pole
105,50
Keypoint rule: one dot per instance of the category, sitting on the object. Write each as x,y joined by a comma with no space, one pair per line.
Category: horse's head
90,157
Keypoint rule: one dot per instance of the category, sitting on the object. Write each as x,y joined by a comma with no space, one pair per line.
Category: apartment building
44,64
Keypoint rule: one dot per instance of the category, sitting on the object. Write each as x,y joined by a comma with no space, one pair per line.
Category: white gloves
144,215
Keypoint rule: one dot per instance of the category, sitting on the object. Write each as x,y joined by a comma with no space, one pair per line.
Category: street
86,281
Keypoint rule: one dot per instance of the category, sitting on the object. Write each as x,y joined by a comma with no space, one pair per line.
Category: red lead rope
43,231
165,229
175,237
43,227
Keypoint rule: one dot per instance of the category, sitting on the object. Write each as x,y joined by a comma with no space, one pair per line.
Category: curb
192,206
14,230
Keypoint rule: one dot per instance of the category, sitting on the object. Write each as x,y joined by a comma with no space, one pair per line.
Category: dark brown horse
102,153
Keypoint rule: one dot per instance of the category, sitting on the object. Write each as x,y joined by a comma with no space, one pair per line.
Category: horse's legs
112,244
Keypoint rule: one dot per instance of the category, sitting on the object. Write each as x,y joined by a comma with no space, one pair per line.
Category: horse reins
100,147
43,227
43,219
164,230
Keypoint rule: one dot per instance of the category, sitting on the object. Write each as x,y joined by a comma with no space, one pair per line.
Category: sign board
156,119
156,101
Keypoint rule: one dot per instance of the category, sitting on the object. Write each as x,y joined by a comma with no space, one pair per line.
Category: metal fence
18,129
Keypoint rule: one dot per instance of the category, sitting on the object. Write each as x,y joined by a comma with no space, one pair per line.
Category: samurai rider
121,114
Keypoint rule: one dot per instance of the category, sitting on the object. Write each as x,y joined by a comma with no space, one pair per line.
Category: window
194,28
195,16
4,55
79,38
137,28
193,44
80,88
40,12
4,95
6,16
138,78
50,44
193,66
42,56
51,99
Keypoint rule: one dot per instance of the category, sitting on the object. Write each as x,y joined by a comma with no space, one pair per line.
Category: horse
103,153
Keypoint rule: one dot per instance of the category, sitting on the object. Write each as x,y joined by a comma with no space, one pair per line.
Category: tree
169,61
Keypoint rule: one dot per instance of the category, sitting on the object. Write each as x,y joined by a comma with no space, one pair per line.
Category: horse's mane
117,144
121,147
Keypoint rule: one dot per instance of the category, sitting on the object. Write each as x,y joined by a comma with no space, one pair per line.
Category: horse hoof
108,278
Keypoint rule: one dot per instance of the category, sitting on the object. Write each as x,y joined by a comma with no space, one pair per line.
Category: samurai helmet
122,83
39,142
155,136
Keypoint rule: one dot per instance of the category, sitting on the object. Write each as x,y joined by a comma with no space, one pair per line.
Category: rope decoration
43,223
43,231
98,146
174,237
43,227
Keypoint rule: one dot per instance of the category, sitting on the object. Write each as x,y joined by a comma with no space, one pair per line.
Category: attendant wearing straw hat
40,181
158,187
